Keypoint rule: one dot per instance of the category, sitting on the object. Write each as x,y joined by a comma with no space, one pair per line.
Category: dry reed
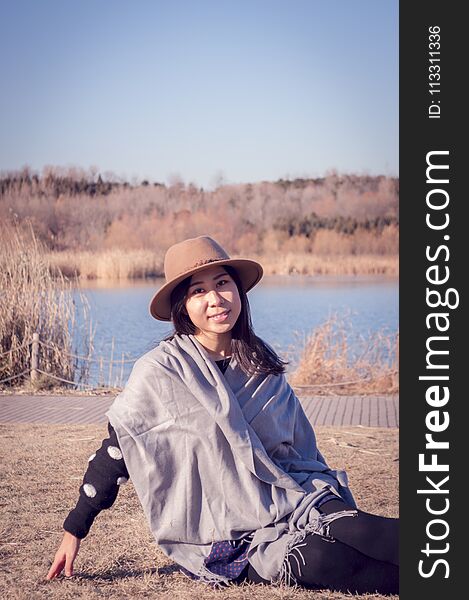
108,264
33,301
328,366
132,264
297,263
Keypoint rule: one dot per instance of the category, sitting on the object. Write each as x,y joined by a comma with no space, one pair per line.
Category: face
212,302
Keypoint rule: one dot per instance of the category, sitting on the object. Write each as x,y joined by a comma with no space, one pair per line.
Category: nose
214,298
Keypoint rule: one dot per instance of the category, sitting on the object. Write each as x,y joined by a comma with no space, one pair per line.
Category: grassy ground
42,470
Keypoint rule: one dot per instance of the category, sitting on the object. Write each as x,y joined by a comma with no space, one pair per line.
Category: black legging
363,558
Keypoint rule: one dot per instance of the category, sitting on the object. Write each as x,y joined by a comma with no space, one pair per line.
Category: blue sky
249,90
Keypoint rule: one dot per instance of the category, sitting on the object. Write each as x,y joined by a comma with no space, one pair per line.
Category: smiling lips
220,316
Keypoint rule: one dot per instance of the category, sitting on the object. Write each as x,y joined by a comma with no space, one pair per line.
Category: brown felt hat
186,258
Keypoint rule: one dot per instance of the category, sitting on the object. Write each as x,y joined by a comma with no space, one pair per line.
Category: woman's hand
65,556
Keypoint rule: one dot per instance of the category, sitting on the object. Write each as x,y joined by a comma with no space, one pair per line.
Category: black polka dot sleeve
105,473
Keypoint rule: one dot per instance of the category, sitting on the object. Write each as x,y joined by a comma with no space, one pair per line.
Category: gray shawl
217,457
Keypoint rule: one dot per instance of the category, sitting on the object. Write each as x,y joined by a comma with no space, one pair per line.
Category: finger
69,566
56,568
53,571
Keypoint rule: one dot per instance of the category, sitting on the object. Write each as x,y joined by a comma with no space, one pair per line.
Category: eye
197,291
222,281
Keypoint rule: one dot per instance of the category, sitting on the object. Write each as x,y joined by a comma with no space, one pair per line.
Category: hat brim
249,271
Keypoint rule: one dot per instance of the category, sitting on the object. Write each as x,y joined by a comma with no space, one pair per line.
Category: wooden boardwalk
337,411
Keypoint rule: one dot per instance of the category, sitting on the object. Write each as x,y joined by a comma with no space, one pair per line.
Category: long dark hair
252,354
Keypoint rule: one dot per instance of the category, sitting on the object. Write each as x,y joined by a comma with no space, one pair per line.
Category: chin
222,328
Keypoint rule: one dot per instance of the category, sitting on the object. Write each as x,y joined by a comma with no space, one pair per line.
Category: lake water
284,310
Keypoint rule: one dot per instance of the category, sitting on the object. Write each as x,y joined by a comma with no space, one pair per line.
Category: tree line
76,209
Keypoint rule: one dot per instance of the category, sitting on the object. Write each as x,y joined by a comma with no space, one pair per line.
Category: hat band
201,263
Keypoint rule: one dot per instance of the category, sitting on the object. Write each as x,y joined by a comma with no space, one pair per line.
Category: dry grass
108,264
294,263
43,467
33,301
131,264
327,365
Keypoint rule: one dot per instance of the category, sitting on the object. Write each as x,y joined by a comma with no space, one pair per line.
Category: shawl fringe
320,527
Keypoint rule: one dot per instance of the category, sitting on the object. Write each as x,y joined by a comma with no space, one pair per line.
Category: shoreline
144,264
267,279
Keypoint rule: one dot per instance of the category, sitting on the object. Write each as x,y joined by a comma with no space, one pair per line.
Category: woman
221,454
